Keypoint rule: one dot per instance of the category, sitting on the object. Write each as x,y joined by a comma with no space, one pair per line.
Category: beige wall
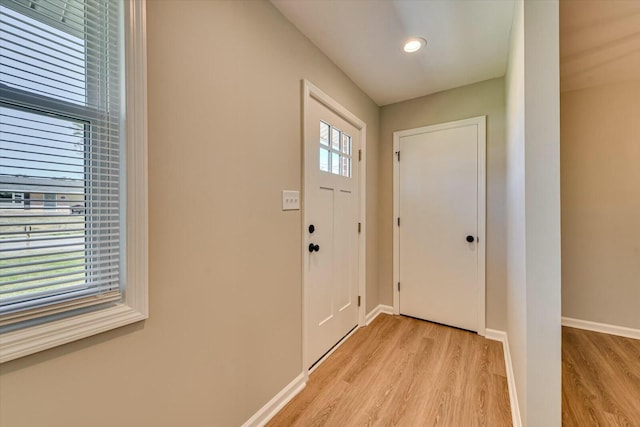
601,204
485,98
224,333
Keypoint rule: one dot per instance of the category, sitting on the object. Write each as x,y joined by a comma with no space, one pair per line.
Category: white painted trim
604,328
303,197
362,250
495,335
272,407
481,123
501,336
310,90
134,308
137,258
396,234
482,222
380,309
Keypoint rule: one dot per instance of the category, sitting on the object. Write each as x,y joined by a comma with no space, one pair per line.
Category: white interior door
440,260
331,229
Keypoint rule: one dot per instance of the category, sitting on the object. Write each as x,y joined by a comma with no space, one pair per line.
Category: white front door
440,260
331,229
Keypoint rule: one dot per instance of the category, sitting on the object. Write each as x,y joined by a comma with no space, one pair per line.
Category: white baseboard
495,335
272,407
620,331
380,309
501,336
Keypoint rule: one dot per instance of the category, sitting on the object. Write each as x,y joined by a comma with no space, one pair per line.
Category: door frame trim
309,90
481,123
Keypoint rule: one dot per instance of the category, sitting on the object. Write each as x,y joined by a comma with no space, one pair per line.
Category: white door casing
439,196
333,275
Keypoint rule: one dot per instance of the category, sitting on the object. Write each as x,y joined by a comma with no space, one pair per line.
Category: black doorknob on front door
470,239
313,248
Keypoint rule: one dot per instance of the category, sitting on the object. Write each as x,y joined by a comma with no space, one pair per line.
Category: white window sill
37,338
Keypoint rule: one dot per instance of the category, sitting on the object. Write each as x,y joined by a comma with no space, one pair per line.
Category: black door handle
313,247
470,239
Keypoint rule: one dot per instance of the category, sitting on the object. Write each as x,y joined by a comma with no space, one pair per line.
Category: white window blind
61,149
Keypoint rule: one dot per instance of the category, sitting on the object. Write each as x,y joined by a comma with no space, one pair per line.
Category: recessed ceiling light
414,44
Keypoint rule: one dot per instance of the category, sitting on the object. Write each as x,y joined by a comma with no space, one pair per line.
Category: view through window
335,150
60,156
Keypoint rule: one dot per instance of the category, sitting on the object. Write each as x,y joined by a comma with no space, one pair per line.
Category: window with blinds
61,145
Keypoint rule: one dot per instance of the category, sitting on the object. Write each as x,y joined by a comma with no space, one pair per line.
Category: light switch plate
290,200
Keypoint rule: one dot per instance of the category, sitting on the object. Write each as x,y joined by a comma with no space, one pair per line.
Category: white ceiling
467,41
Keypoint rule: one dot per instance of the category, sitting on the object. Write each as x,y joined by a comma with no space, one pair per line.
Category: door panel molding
480,123
310,91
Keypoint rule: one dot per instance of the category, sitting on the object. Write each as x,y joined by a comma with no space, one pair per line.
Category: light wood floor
405,372
600,379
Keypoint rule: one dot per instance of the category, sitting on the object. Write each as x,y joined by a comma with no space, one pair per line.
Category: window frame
134,305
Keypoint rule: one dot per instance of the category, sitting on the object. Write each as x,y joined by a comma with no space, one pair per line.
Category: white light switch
290,200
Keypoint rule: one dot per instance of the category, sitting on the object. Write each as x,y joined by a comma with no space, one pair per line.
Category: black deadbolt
470,239
312,228
313,247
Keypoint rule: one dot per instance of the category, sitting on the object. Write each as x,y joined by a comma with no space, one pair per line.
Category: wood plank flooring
400,371
600,379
